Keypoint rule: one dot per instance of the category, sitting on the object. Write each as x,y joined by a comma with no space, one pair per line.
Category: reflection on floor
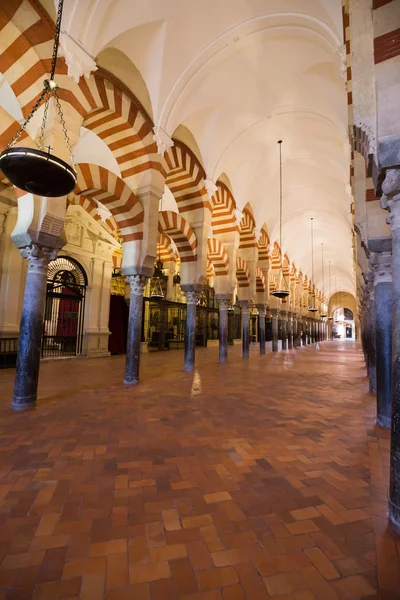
257,479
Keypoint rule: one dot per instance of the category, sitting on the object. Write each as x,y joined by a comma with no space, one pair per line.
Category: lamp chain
50,87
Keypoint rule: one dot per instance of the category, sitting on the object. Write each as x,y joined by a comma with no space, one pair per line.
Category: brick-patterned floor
258,479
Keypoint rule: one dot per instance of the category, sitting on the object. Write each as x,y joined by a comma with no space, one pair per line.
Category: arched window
65,308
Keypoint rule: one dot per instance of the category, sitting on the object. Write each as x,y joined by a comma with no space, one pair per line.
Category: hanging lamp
312,308
37,171
323,314
283,288
330,318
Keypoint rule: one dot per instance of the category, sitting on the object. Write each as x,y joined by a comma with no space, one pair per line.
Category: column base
133,381
24,402
394,516
383,422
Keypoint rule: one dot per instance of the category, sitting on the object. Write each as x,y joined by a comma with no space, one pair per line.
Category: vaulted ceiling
230,78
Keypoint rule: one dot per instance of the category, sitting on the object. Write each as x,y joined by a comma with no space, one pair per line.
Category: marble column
245,304
30,336
192,294
381,263
274,323
224,302
308,331
284,320
290,330
391,202
134,336
261,327
299,329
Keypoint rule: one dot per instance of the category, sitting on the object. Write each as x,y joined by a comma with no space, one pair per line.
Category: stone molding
78,61
224,301
381,263
210,187
136,284
162,139
390,201
245,306
38,257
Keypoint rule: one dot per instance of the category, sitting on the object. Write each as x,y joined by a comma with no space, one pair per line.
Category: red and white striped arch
242,273
113,113
263,245
90,206
210,270
26,34
247,227
185,179
99,184
218,256
260,281
276,256
165,248
180,232
271,281
223,212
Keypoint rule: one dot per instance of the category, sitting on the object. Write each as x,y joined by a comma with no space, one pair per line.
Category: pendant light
330,318
283,288
323,313
37,171
312,308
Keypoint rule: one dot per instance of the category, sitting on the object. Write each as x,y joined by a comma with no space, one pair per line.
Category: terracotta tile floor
258,479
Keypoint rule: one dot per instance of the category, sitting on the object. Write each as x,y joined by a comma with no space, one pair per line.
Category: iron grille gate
65,309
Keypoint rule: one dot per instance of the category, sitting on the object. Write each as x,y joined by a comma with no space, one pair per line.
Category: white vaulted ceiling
239,75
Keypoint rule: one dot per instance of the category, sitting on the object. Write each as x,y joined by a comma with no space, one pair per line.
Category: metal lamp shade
37,172
323,315
312,309
280,293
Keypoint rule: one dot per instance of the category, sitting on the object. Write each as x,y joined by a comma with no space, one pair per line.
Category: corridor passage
257,479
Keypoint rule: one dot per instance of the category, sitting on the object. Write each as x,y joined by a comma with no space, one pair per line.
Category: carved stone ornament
245,306
381,263
38,257
73,232
136,284
224,303
192,296
78,61
391,197
210,187
162,139
239,215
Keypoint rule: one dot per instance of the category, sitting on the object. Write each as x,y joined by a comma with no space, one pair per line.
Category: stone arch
263,244
28,33
218,257
247,227
92,208
242,273
181,233
109,109
165,249
223,213
260,281
185,178
102,186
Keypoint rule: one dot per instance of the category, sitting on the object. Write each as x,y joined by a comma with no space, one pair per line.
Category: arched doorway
65,308
343,326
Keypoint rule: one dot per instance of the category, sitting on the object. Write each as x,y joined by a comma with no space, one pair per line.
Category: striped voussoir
271,281
210,271
102,186
26,50
179,230
260,281
286,266
242,273
223,215
113,113
117,259
185,179
276,256
263,245
247,227
8,128
165,248
218,257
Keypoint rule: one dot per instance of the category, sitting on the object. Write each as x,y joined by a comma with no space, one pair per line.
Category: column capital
192,293
274,313
224,301
38,257
390,200
136,284
381,263
245,306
